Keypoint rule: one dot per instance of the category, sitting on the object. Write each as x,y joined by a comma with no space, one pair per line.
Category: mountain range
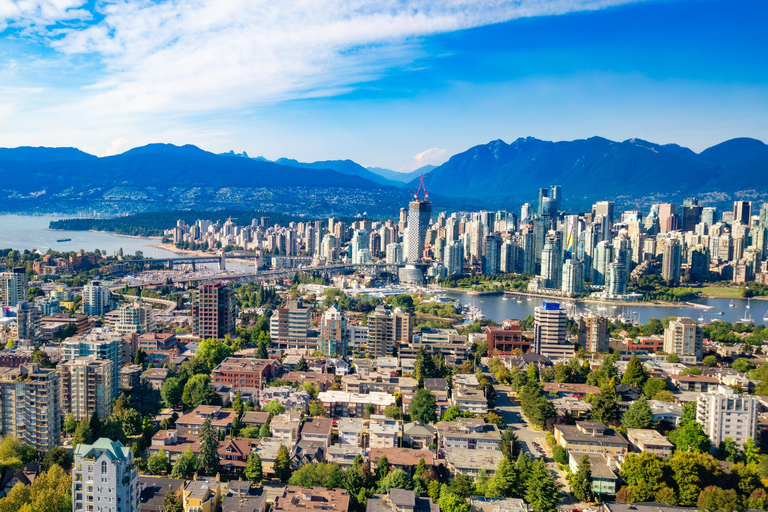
633,173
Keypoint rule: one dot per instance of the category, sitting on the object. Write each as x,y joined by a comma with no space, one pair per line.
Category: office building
96,299
491,261
549,331
683,337
102,347
593,333
290,323
742,212
14,286
86,387
333,333
418,221
387,328
213,311
29,406
725,414
672,259
507,339
104,478
453,259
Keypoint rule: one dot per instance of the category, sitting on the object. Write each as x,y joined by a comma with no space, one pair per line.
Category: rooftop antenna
421,187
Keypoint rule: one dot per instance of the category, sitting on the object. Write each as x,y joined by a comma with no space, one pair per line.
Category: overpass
180,260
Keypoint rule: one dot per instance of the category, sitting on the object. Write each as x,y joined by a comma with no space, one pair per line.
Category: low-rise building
286,426
418,435
604,480
403,458
383,432
483,504
202,495
190,423
667,412
343,454
400,500
288,397
316,499
339,404
254,418
351,431
647,440
724,414
468,434
317,430
244,372
591,437
470,400
470,462
172,444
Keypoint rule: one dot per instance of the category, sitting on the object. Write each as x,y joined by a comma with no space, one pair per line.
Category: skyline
427,79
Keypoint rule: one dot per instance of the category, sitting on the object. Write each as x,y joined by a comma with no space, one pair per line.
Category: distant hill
404,177
633,172
343,166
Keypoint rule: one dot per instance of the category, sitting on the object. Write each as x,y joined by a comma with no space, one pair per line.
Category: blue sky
392,83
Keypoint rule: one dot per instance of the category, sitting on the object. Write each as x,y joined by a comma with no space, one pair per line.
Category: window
103,466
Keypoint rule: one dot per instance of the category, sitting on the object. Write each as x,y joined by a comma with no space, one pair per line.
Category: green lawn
720,291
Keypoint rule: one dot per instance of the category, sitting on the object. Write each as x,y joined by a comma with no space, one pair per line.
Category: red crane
421,187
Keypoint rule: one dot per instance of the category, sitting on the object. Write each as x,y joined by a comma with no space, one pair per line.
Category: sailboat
747,318
731,305
748,301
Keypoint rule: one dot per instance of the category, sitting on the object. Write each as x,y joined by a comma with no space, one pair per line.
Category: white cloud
39,14
433,156
118,146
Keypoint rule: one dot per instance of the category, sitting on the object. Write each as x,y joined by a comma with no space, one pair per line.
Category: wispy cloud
429,156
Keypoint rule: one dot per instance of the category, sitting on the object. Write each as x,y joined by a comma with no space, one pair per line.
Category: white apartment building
29,405
13,286
104,478
86,387
725,414
683,337
95,299
101,345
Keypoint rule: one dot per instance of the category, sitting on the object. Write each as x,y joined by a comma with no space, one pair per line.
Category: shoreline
173,248
103,233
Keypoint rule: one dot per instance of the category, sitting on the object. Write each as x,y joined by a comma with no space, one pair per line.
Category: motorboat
731,305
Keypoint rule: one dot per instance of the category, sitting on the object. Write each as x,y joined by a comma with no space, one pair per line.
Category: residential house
383,432
254,418
402,458
202,495
470,462
647,440
339,404
351,431
418,435
316,499
400,500
286,426
172,444
591,437
604,480
190,423
233,453
343,454
153,490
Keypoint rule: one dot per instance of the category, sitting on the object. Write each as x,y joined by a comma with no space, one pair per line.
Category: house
343,454
155,377
242,488
190,423
254,419
173,444
570,406
465,380
339,404
202,495
383,432
483,504
470,462
237,503
569,389
351,431
299,499
591,437
322,381
400,500
286,426
387,364
307,452
665,411
24,476
604,480
153,490
522,362
470,400
317,430
628,393
468,434
267,451
647,440
233,453
700,383
402,458
290,398
418,435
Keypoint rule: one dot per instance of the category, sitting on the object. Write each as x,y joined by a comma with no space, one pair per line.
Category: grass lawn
720,292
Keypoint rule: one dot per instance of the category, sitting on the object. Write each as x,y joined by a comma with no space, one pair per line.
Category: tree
504,483
743,365
274,408
604,406
186,465
751,452
396,479
690,436
171,501
508,443
730,450
423,407
541,490
51,491
652,386
424,367
639,415
70,424
171,392
691,472
559,454
157,464
283,464
212,351
710,361
644,474
454,412
264,431
42,358
302,365
450,502
12,448
315,409
665,396
382,467
635,375
581,482
209,450
253,470
59,456
715,499
83,433
197,391
673,358
317,475
393,411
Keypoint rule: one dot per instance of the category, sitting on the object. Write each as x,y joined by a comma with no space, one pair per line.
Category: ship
64,240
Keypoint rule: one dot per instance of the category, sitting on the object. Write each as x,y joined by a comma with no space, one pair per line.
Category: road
170,305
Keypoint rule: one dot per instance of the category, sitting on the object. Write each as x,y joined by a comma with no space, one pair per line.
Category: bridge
181,260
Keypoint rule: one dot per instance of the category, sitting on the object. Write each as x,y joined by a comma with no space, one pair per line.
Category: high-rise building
290,322
724,414
104,478
454,258
683,337
672,260
573,278
593,333
14,286
552,264
667,218
394,254
602,260
491,254
28,317
549,327
213,311
86,387
102,347
96,299
29,406
418,222
135,318
742,212
709,215
387,328
698,259
334,335
616,284
359,248
508,261
604,210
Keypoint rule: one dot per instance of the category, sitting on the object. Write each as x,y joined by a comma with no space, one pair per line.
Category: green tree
454,412
283,464
70,424
212,352
396,479
253,470
59,456
504,483
604,406
382,467
83,433
424,367
673,358
264,431
743,365
186,465
423,407
691,472
197,391
273,407
51,491
508,443
644,474
581,482
559,454
450,502
315,409
171,502
710,361
715,499
730,450
393,411
157,464
639,415
541,490
302,365
635,375
171,392
317,475
209,449
751,452
652,386
689,436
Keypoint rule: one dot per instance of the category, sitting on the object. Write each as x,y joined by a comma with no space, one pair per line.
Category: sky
388,83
